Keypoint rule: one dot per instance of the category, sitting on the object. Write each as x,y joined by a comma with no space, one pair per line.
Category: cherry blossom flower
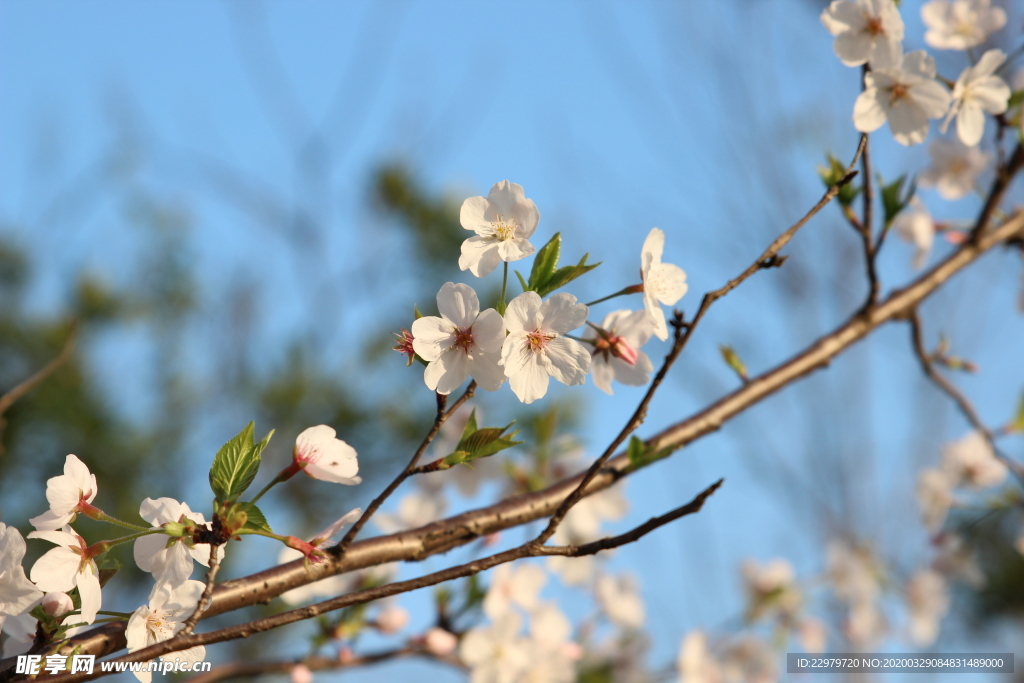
970,461
955,560
68,494
749,659
552,654
914,224
927,602
21,634
460,343
582,523
855,575
69,565
572,571
664,283
620,600
617,353
934,497
905,93
978,90
960,24
169,557
535,348
168,609
57,603
812,635
414,510
440,642
17,593
322,456
404,346
770,587
865,30
519,585
954,169
301,673
392,619
497,652
503,222
696,665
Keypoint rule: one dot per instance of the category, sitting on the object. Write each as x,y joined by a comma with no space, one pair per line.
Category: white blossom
66,567
168,609
167,557
696,664
552,654
977,91
960,24
57,603
771,586
582,523
322,456
462,342
17,593
497,652
927,603
67,494
934,497
300,673
972,463
21,632
955,560
904,93
812,635
572,571
865,30
617,354
750,660
536,349
503,222
440,642
855,575
954,169
915,225
664,283
414,510
620,600
513,585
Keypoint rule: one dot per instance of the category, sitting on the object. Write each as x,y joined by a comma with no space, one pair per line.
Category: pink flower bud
57,604
623,350
345,655
301,674
313,554
392,620
439,642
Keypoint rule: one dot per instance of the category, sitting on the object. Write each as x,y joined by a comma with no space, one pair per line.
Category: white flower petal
522,313
479,256
458,303
570,362
561,314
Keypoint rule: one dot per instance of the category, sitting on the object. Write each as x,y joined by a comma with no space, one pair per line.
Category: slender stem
504,287
123,615
283,475
632,289
132,537
204,599
260,532
104,517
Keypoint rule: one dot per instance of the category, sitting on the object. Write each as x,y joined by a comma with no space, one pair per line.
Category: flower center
874,26
159,625
899,91
505,229
463,339
537,340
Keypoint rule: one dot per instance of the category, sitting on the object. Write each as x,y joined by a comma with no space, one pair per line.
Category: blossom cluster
528,342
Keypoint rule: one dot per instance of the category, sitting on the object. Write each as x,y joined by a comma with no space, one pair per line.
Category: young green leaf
236,464
545,262
257,520
564,276
522,281
733,360
636,451
470,427
832,174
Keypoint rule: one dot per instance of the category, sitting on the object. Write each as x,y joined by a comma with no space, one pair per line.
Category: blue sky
706,120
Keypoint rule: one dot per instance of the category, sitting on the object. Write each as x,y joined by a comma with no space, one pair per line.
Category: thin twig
528,549
957,396
765,260
866,227
995,195
28,384
216,555
439,419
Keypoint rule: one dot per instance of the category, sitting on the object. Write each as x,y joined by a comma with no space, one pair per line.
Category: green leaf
545,262
257,520
1017,425
416,315
733,360
236,464
1015,99
636,451
564,276
494,447
893,198
522,282
832,174
469,428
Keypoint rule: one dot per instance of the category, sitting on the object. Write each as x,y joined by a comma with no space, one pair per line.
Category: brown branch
216,555
439,419
30,383
528,549
957,396
768,259
865,228
441,536
1004,175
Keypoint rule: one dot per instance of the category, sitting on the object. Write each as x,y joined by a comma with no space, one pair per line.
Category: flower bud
392,620
345,655
623,350
301,674
439,642
57,604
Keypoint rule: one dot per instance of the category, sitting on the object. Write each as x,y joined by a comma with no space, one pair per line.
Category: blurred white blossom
960,24
972,463
865,30
954,169
978,91
914,224
927,603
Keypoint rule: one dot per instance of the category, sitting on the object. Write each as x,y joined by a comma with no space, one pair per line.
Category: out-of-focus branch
441,536
528,549
30,383
216,555
957,396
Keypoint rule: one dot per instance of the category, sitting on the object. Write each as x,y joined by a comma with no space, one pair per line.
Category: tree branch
30,383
